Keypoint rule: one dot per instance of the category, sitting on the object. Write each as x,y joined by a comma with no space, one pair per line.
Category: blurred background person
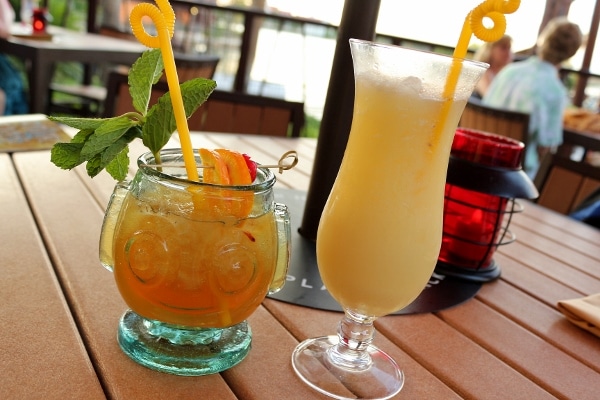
533,86
12,98
7,15
2,101
497,54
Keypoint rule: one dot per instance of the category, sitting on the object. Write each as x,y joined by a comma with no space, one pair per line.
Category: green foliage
161,121
145,72
103,143
311,128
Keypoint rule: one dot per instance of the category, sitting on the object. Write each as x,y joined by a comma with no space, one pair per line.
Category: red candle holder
484,179
39,21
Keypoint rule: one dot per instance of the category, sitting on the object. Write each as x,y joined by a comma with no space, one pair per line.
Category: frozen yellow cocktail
380,232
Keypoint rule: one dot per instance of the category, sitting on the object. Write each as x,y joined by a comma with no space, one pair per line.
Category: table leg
39,82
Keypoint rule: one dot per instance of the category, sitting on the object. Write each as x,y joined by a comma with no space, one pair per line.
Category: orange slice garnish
226,167
236,165
241,201
216,171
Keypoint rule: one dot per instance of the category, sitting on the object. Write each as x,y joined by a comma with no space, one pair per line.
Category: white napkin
583,312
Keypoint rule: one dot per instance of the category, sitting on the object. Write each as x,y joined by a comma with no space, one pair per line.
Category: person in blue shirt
12,93
589,210
533,86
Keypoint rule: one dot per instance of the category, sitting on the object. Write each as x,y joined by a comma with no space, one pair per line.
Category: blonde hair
484,53
559,40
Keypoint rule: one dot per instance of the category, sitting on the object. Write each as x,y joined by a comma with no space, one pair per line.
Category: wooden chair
87,99
227,112
582,146
512,124
566,178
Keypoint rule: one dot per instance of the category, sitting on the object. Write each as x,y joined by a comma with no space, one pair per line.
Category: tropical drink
193,254
194,259
380,232
180,266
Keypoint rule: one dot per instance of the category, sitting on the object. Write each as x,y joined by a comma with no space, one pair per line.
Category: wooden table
60,308
63,45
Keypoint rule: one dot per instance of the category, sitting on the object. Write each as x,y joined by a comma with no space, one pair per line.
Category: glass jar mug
192,261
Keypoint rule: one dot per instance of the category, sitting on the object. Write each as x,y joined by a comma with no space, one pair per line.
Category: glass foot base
182,351
382,379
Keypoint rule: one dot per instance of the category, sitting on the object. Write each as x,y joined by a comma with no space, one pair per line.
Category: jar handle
284,248
108,224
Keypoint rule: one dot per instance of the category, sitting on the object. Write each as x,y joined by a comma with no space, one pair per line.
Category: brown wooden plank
40,343
543,320
536,216
529,354
203,140
570,233
419,384
71,221
274,121
468,368
588,186
306,148
555,248
214,116
564,182
267,372
246,119
277,147
529,280
561,190
551,266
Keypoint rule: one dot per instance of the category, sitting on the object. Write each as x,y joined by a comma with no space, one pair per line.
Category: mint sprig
103,143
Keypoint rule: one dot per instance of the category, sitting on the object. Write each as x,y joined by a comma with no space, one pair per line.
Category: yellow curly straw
492,9
163,18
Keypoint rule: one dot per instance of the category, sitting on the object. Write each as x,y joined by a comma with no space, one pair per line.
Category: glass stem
355,334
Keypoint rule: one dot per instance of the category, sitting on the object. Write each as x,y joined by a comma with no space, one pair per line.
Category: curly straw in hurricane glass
380,231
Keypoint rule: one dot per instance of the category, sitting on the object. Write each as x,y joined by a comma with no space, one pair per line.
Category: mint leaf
113,151
144,73
80,123
105,136
66,155
103,142
194,93
115,155
116,123
82,136
93,167
119,166
160,121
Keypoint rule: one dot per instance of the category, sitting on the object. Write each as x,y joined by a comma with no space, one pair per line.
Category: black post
359,20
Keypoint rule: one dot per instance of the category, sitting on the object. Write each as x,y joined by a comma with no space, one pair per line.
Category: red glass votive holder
484,177
472,224
39,21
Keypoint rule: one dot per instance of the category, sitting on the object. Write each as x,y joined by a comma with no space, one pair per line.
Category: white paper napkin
583,312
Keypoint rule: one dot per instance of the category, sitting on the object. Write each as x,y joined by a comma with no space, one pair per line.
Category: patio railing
280,55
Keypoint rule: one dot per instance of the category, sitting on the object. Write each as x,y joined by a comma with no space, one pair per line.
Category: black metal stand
482,275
